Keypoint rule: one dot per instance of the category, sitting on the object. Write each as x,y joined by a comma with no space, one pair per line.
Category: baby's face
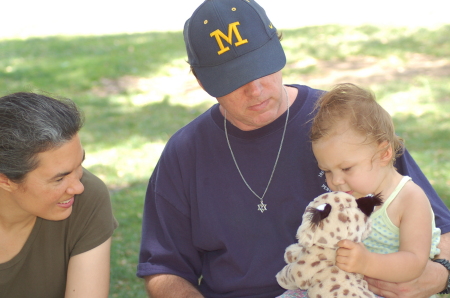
351,164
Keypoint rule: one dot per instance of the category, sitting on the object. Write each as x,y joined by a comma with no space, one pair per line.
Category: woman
56,219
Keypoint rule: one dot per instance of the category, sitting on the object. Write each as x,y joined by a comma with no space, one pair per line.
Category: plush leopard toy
329,218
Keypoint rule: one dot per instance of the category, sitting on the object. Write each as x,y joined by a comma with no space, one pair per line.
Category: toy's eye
319,213
323,211
321,207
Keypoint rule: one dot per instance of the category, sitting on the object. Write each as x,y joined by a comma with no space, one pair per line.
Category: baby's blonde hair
348,102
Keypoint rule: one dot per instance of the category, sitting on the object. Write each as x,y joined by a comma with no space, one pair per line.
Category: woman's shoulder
95,195
92,184
92,221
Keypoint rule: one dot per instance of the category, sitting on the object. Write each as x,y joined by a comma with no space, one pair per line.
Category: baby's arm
414,218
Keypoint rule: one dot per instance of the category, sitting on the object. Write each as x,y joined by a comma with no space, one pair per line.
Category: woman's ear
7,184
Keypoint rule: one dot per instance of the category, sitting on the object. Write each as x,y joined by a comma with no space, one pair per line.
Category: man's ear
7,184
200,83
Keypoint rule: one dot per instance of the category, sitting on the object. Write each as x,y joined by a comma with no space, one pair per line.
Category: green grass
135,91
128,204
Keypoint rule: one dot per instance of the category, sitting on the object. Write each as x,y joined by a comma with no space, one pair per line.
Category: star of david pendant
262,207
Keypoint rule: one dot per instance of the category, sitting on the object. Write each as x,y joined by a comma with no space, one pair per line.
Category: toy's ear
368,203
318,214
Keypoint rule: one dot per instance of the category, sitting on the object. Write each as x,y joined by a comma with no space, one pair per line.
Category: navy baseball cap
231,43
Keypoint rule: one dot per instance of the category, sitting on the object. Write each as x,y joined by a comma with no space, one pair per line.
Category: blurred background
124,64
23,18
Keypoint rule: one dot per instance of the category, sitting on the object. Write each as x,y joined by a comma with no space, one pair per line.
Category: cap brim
223,79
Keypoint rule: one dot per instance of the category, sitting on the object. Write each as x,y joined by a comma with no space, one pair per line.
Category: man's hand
167,285
352,256
418,288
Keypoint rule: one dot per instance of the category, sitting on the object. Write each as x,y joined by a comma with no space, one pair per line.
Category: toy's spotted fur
328,219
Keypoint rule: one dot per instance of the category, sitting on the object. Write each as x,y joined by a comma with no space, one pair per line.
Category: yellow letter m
232,28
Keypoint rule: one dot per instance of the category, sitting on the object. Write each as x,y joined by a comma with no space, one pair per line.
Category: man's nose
254,88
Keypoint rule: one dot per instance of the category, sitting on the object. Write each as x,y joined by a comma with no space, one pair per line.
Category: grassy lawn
135,91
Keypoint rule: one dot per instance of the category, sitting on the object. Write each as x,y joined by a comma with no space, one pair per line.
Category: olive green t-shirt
40,268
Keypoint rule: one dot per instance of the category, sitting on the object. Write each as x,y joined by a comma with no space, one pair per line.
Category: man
228,192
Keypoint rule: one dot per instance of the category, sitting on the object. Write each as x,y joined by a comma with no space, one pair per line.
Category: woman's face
48,191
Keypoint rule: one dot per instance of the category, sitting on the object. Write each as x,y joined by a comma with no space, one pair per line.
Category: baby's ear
386,152
368,203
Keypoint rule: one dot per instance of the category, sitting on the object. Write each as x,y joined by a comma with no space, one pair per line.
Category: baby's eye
346,169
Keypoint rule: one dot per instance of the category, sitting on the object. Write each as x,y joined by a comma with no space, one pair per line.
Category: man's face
255,104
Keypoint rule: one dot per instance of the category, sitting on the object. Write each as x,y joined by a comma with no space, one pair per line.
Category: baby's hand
351,256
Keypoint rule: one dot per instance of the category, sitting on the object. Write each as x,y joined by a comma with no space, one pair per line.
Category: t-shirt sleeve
407,166
166,245
92,221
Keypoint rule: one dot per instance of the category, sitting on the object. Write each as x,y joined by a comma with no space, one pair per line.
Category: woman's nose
76,188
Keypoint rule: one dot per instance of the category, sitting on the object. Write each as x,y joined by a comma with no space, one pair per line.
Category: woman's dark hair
30,124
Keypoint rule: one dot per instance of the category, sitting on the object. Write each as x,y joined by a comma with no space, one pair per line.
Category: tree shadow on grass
331,42
127,206
108,124
70,64
429,130
427,138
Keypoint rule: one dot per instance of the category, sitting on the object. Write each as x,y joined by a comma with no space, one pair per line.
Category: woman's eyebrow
60,175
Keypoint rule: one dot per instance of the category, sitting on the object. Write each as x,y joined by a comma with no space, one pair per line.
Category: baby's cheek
331,186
